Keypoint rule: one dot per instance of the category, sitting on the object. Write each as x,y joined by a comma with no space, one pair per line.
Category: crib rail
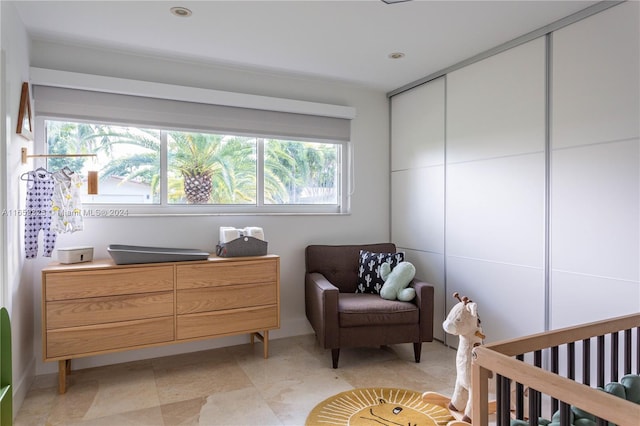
534,362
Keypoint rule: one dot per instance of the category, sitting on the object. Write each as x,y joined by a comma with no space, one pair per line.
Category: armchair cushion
356,310
369,277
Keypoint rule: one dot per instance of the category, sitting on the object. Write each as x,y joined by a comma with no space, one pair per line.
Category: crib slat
520,395
637,350
586,361
614,356
601,361
533,407
571,360
627,351
536,397
565,416
506,401
555,367
499,401
503,400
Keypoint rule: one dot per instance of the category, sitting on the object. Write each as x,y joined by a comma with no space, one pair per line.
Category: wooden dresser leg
64,368
266,344
264,337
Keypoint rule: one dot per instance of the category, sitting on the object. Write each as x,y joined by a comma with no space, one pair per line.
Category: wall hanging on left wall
25,123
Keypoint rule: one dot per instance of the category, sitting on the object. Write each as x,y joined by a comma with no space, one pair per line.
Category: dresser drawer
97,310
106,337
112,282
223,274
227,322
227,297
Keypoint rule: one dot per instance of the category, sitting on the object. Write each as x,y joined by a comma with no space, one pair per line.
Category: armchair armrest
321,303
425,295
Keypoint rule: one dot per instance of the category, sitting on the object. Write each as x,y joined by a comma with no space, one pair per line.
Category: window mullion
164,178
260,172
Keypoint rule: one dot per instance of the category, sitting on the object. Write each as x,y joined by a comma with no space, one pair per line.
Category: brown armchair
343,318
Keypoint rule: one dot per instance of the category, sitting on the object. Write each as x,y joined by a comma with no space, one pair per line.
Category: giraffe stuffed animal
463,321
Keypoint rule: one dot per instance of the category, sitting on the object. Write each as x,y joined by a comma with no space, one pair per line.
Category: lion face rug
380,407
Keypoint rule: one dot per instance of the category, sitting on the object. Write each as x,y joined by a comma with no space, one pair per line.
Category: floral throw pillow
369,279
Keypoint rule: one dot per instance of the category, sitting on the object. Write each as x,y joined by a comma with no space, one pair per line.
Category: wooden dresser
99,307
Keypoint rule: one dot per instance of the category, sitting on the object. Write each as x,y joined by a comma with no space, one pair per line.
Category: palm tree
141,163
304,168
194,158
76,138
202,168
213,166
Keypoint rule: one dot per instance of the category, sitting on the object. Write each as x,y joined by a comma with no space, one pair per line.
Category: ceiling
344,40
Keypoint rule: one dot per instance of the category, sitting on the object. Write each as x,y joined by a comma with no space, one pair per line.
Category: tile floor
231,386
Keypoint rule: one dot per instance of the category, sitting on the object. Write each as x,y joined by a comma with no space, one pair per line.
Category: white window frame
166,209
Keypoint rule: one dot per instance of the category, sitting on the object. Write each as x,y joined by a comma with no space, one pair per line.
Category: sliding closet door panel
595,167
417,130
430,269
508,296
495,107
495,209
596,83
417,197
573,299
417,176
417,183
596,210
495,188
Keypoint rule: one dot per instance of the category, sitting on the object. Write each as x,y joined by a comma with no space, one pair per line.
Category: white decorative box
75,254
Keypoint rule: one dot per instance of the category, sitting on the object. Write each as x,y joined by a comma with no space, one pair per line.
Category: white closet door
430,269
417,184
417,127
495,189
417,200
596,78
595,167
495,107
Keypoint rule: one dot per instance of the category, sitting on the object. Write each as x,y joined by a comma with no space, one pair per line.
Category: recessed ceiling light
396,55
182,12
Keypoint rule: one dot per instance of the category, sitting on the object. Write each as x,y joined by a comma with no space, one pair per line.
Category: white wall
17,288
287,235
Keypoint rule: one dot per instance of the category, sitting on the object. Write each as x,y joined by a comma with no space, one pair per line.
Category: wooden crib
537,374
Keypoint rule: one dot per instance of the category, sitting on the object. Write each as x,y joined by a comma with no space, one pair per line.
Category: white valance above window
86,97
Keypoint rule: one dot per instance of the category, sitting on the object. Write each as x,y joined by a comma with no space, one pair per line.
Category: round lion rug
378,406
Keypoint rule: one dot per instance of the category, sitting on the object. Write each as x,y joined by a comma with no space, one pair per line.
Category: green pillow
631,383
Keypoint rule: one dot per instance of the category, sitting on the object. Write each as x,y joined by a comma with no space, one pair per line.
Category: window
168,149
175,171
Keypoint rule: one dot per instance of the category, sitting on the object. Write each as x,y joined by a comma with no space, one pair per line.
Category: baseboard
293,327
22,385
